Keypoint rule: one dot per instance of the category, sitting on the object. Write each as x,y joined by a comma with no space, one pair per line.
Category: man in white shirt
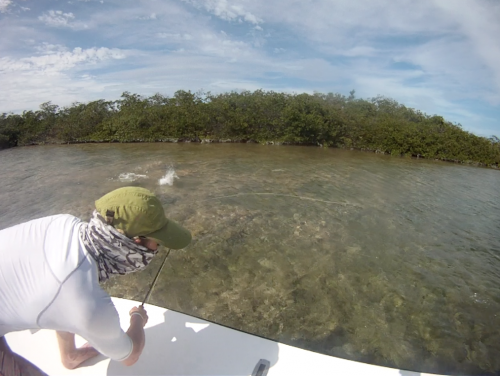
50,269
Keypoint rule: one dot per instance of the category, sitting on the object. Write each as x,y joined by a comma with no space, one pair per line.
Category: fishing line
236,195
283,195
154,280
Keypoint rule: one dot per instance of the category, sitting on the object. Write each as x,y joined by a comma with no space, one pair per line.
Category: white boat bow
178,344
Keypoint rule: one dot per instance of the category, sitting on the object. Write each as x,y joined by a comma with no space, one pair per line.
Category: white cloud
152,16
338,23
56,74
23,92
221,46
358,51
225,11
49,48
480,24
4,4
205,42
57,18
56,58
448,64
175,36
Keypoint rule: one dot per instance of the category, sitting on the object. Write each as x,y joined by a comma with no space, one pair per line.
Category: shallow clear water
384,260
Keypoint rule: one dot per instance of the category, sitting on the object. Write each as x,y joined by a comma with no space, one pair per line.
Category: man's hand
138,318
139,312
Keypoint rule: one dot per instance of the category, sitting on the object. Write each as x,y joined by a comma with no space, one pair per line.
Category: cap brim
172,235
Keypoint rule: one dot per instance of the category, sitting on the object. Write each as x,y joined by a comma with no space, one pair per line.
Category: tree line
332,120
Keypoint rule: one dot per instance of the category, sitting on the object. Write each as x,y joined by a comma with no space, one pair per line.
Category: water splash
169,177
130,176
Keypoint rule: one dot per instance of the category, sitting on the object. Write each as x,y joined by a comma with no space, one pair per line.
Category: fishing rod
154,280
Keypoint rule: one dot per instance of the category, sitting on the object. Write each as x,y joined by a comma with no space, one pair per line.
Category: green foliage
378,124
10,126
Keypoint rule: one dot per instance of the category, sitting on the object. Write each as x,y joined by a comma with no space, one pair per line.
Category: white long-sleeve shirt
49,281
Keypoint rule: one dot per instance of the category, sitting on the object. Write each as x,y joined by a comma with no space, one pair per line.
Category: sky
438,56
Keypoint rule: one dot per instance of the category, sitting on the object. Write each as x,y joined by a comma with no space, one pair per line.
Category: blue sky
439,56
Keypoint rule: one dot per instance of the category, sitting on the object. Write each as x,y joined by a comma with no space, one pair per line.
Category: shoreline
250,141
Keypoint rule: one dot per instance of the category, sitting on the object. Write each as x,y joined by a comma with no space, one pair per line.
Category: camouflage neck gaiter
113,251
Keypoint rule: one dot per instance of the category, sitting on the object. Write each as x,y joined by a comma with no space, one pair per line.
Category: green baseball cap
138,212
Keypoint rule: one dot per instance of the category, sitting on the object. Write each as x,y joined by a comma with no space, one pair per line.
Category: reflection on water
384,260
